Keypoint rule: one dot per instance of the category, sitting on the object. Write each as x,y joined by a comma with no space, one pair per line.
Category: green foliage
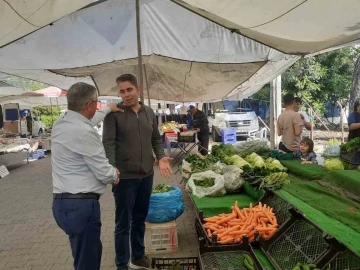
48,115
323,77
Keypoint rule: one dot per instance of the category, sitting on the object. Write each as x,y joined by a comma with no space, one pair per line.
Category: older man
80,172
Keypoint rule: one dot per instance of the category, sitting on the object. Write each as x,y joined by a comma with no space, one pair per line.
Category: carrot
226,219
238,232
212,219
237,210
209,232
231,229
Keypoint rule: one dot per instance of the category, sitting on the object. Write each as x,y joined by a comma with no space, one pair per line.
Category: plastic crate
161,238
352,158
345,260
280,207
228,136
186,138
300,242
191,263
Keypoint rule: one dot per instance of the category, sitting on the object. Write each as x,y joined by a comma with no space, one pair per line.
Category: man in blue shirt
354,121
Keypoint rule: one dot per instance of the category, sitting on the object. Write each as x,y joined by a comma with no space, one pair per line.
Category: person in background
200,124
303,115
80,172
354,121
306,152
289,126
130,139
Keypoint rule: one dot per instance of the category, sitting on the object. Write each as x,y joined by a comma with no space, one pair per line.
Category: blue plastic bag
165,207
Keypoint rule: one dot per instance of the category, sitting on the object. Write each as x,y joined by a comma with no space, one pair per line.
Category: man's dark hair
288,99
298,100
127,78
309,142
356,104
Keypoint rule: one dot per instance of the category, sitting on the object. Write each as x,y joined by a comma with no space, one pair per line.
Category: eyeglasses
91,101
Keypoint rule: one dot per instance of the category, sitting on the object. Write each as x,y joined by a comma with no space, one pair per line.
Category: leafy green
207,182
351,146
222,151
200,164
162,188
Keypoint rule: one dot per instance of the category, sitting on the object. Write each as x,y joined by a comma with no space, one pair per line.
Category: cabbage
256,160
275,165
237,161
334,164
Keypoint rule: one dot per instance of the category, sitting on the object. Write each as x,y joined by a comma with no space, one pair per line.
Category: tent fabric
201,62
19,18
34,101
293,27
8,89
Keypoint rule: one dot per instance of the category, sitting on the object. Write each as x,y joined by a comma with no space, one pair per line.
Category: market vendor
290,126
354,121
200,124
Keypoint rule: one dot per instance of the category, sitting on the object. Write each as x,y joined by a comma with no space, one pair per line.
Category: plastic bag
218,167
165,207
233,179
217,190
332,151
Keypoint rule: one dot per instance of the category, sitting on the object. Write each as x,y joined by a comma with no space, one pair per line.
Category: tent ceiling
291,26
201,62
19,18
171,79
8,89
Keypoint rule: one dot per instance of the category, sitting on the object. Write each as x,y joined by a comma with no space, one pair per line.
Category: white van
21,119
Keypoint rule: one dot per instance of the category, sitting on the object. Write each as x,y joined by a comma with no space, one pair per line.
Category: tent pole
51,111
140,71
147,87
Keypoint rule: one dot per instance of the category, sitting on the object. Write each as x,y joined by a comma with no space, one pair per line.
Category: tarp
187,58
34,101
8,89
19,18
294,27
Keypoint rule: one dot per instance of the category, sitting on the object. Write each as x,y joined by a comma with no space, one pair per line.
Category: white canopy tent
291,26
187,58
19,18
8,89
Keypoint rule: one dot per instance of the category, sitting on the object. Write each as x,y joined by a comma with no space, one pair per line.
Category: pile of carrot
230,228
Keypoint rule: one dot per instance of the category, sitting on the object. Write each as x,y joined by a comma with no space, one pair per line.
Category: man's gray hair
79,94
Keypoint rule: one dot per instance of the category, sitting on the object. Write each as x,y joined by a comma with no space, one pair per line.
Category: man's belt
91,196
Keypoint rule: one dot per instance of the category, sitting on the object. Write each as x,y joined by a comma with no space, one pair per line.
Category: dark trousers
203,138
80,220
132,198
282,147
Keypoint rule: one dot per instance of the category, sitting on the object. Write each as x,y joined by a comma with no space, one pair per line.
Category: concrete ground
30,238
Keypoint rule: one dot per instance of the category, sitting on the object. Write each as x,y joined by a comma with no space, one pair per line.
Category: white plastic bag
332,151
217,190
218,167
233,179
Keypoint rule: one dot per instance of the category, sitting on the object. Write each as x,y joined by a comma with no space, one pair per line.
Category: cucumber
248,266
248,259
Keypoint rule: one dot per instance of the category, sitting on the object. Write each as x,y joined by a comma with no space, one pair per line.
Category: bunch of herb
207,182
162,188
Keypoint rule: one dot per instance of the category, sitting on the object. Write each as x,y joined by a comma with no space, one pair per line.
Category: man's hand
306,162
117,181
197,129
164,165
114,108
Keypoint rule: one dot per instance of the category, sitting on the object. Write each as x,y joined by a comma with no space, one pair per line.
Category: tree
355,88
48,114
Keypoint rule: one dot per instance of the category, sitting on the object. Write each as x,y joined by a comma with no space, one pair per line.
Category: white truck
21,119
232,114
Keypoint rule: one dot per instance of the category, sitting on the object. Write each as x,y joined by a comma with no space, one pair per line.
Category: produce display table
333,214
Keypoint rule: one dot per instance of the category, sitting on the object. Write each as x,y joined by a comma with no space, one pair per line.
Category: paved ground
30,238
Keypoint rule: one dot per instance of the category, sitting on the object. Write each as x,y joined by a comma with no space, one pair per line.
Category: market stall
312,212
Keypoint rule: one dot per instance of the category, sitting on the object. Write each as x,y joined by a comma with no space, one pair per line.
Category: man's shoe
143,263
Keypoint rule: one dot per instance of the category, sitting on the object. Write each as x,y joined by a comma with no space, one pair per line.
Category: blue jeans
132,198
80,220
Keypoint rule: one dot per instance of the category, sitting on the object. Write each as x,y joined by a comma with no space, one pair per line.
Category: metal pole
52,119
341,122
140,71
147,87
275,109
312,124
